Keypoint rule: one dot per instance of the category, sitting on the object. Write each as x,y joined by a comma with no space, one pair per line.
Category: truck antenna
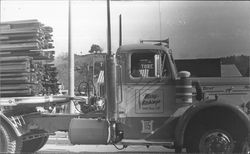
160,20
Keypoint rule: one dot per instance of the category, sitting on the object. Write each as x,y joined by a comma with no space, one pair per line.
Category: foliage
49,80
61,63
95,49
83,69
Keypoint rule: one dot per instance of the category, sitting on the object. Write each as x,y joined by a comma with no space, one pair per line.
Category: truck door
148,92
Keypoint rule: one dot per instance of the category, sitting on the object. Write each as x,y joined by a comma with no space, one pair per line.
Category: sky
196,29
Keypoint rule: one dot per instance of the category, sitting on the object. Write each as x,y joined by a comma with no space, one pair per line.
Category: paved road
60,144
60,148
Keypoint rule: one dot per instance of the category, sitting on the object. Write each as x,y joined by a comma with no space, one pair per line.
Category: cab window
142,65
146,65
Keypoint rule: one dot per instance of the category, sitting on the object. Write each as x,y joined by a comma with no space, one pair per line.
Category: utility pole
71,63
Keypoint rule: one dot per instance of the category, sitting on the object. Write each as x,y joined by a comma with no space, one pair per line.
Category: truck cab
146,88
159,106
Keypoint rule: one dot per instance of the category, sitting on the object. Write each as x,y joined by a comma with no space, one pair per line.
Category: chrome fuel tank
88,131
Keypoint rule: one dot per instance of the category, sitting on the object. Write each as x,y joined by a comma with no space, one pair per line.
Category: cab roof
141,46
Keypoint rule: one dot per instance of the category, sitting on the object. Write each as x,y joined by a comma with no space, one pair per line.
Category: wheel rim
216,141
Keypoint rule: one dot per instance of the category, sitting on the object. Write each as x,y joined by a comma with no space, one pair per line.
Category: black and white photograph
124,76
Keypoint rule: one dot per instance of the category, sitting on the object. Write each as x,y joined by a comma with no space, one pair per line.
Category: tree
49,80
95,49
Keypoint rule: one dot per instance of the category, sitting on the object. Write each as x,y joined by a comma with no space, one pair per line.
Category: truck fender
9,124
194,110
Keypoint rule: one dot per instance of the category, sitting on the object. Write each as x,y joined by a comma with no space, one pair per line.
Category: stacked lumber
25,47
26,37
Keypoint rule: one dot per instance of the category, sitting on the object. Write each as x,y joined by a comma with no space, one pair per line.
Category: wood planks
25,47
20,37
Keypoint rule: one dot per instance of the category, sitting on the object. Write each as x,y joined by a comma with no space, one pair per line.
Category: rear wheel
45,139
34,144
4,140
8,142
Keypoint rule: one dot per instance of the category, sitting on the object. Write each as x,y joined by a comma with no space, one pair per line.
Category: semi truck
147,102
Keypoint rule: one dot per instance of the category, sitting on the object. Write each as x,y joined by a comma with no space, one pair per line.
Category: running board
146,142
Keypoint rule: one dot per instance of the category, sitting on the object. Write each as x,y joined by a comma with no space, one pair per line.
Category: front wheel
245,147
216,141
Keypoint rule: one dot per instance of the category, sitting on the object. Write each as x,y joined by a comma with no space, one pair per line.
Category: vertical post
110,74
0,9
120,30
71,63
160,19
0,20
93,75
108,29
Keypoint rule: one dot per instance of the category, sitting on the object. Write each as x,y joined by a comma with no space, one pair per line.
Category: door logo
149,101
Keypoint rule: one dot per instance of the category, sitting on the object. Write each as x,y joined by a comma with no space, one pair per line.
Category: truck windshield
143,65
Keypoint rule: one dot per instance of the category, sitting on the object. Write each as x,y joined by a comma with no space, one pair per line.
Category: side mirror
199,94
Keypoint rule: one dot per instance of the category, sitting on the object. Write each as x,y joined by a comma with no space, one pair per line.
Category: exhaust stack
110,74
120,30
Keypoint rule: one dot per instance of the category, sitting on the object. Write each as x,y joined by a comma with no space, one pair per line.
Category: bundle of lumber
26,37
25,49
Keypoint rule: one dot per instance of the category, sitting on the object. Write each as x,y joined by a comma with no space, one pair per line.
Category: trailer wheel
34,145
8,143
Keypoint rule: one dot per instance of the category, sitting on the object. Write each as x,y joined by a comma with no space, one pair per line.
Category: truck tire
34,145
245,147
8,142
45,139
215,141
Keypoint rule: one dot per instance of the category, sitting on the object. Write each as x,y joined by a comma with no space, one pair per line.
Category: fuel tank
88,131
